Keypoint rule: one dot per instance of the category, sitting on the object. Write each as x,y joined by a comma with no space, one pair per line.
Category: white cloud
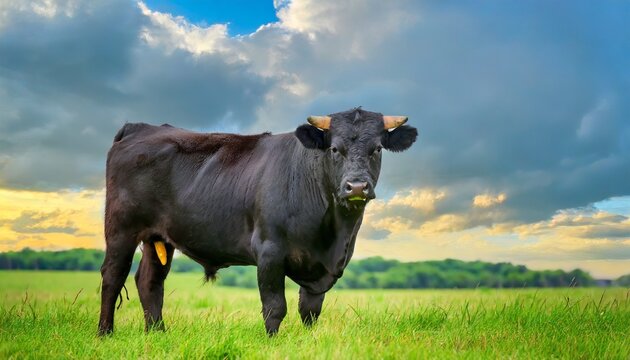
421,199
580,223
175,32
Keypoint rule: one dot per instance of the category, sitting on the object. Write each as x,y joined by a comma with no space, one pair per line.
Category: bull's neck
310,173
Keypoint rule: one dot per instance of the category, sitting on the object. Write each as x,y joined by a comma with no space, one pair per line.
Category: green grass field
55,314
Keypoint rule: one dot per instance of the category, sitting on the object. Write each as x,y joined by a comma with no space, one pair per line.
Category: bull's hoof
157,326
102,332
272,326
309,319
309,323
272,330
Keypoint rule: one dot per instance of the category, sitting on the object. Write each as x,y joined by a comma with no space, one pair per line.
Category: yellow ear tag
160,249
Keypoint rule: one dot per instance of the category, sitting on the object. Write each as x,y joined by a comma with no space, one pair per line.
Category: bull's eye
334,150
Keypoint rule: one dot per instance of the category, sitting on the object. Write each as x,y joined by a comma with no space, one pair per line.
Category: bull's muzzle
357,190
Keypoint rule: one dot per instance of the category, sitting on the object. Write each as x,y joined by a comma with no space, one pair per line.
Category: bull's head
352,142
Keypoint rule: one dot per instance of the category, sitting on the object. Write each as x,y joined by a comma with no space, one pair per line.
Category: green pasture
55,315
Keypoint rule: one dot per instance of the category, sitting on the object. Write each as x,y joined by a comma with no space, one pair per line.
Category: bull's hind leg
118,258
150,282
310,306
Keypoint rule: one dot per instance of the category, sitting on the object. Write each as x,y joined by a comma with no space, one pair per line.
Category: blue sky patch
243,16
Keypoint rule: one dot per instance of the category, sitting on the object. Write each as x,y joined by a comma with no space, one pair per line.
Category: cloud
69,80
499,105
170,33
431,211
585,223
530,112
580,237
420,199
486,200
43,8
40,222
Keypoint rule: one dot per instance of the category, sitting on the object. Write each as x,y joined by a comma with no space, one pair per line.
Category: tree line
374,272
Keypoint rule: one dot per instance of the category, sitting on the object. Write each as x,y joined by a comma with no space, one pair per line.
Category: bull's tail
210,273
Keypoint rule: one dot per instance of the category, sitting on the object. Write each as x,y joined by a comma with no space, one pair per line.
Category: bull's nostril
348,187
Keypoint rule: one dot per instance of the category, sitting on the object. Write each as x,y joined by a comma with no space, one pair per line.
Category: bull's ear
399,139
312,137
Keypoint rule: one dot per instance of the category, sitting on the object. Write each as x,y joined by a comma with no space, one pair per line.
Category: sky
522,108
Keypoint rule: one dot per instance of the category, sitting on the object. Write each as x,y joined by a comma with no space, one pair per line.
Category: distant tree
623,281
374,272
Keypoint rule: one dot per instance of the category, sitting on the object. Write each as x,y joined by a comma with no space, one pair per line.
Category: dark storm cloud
81,55
67,83
193,92
536,112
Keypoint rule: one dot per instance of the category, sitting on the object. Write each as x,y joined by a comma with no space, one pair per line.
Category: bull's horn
392,122
160,249
322,122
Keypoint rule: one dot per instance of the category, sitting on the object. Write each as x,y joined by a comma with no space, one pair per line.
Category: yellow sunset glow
51,220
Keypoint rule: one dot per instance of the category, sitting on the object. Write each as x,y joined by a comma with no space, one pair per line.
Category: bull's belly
212,245
215,256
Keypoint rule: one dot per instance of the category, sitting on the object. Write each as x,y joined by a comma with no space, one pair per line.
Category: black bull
291,204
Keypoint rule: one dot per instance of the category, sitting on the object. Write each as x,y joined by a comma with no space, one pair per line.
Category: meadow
55,314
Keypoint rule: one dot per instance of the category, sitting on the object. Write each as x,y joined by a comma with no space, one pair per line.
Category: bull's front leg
271,285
